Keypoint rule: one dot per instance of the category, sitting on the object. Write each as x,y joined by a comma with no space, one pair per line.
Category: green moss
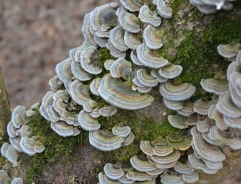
55,146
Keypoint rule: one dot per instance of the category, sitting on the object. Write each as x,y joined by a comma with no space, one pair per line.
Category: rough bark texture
5,111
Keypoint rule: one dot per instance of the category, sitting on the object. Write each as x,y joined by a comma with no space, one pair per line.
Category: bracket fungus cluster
87,88
5,179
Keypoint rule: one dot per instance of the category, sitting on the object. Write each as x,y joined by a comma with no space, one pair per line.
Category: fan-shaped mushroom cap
39,147
47,101
107,111
170,71
102,18
173,105
95,113
148,16
235,79
79,92
153,37
229,50
52,114
27,145
4,178
192,120
216,86
141,164
90,105
12,154
114,51
138,176
94,86
218,117
178,141
15,142
113,171
63,70
206,9
53,82
117,38
75,53
177,121
206,137
134,58
128,139
162,148
88,36
204,125
147,148
63,129
17,181
11,129
201,106
235,97
116,93
89,60
128,21
145,78
177,92
187,108
204,149
190,178
64,95
4,148
226,106
155,172
155,74
125,180
103,179
101,41
59,106
233,67
24,131
132,40
232,122
79,73
144,89
148,58
171,176
132,5
19,116
108,64
183,168
122,131
238,58
213,165
121,68
87,122
170,158
105,141
164,9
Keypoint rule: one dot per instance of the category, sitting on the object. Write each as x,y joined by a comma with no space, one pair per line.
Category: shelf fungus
173,105
183,168
95,113
63,70
108,111
204,125
138,176
177,92
148,57
121,68
114,51
147,148
52,114
63,129
101,41
134,58
75,53
54,83
141,164
79,72
103,179
187,109
232,122
17,181
15,142
19,116
190,178
117,38
118,94
105,141
201,106
113,171
153,37
89,61
146,79
128,139
132,5
179,141
90,105
94,85
215,85
103,18
161,147
11,129
87,122
132,40
148,16
177,121
164,8
218,117
12,154
121,131
155,74
170,71
108,64
229,50
171,176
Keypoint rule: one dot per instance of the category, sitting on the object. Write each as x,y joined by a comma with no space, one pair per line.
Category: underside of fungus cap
229,50
95,113
145,78
94,85
164,8
192,120
17,181
148,58
124,179
173,105
132,5
122,131
235,80
201,106
90,105
171,177
103,179
112,171
170,71
19,116
63,70
132,40
177,92
148,16
161,147
177,121
89,61
226,106
216,86
117,38
87,122
206,9
187,109
121,68
118,94
79,92
179,141
146,147
63,129
213,165
141,164
105,141
79,73
155,172
190,178
204,149
138,176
